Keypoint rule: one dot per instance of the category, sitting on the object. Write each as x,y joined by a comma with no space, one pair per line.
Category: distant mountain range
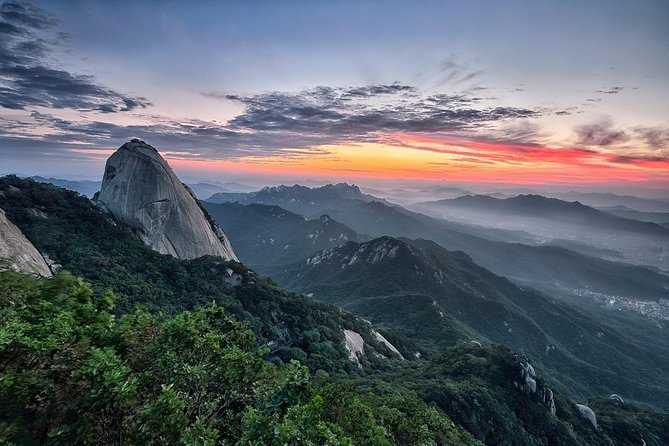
306,201
539,207
553,269
602,199
84,187
660,218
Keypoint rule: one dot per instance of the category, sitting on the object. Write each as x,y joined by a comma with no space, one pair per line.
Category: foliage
70,375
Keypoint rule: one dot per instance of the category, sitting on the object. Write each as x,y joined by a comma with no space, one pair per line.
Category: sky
567,93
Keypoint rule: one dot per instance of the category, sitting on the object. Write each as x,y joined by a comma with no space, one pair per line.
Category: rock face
355,346
17,249
379,337
140,190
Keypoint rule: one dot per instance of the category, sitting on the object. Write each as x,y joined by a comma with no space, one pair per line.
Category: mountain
140,190
625,212
437,298
300,199
270,235
602,199
203,190
16,249
539,207
87,188
548,219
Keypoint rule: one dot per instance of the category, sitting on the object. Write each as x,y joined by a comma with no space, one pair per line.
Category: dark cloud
199,138
625,159
383,108
612,90
27,38
24,14
600,134
656,138
377,90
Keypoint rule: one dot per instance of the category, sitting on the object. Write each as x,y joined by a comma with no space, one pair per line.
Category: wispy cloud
612,90
601,134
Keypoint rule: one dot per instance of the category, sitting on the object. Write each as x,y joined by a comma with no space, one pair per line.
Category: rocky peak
142,191
18,251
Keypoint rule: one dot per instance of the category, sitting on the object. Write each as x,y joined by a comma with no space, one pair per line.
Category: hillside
437,297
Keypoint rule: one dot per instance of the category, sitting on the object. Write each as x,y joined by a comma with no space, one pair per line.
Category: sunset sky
519,92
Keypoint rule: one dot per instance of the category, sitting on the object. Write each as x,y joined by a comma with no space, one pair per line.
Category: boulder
587,413
16,249
617,399
140,190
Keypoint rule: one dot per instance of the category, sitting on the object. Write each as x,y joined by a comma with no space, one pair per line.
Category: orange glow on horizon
421,157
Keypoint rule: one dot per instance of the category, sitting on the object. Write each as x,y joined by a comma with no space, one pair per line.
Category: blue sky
595,76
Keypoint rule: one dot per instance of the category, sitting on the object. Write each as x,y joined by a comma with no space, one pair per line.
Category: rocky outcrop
140,190
547,399
379,337
18,251
355,346
587,413
617,399
527,375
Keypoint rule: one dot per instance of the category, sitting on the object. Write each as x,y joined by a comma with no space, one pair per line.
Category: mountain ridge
458,301
538,206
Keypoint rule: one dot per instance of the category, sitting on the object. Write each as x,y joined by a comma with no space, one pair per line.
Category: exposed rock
141,190
53,265
233,278
527,375
384,341
617,399
17,249
547,399
355,346
587,413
